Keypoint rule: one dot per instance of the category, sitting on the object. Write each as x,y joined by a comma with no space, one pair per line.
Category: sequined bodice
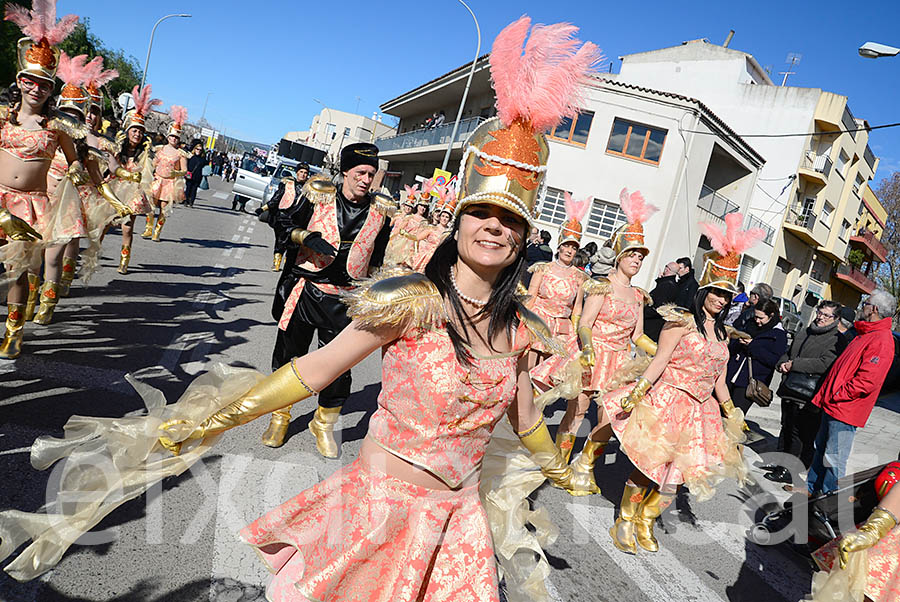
166,162
58,166
695,365
435,412
556,295
616,321
28,145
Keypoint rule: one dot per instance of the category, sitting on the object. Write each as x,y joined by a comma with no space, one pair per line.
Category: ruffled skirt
608,362
423,255
98,214
673,438
876,571
559,327
169,190
131,195
400,249
364,536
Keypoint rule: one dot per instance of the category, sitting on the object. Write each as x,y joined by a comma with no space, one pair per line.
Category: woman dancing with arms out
171,165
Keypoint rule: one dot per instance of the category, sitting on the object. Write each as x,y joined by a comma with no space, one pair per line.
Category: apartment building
810,190
331,130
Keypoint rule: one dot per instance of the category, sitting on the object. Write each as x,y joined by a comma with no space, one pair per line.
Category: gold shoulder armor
384,204
60,122
539,268
677,315
319,189
406,300
539,330
597,286
646,299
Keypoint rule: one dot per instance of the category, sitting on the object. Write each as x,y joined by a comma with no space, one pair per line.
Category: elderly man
337,235
850,390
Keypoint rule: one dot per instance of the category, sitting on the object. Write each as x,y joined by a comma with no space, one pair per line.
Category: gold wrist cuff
533,428
298,235
646,344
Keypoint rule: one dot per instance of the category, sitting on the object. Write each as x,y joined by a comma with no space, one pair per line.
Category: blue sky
265,64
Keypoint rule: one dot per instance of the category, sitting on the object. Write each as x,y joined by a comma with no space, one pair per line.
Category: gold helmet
72,71
97,77
630,236
143,104
179,116
37,54
571,229
722,265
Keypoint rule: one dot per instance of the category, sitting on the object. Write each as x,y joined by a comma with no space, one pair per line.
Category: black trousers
190,192
739,397
799,426
294,342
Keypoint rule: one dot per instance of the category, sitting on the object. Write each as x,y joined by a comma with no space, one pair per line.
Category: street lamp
208,94
462,103
874,50
150,47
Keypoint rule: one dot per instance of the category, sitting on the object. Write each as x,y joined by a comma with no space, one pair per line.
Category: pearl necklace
466,298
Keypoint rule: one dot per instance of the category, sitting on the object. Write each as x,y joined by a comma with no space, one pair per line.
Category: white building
331,130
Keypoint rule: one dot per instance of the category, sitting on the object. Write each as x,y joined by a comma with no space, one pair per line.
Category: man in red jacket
850,390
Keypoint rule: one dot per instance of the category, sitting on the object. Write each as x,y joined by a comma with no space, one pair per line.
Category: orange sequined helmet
37,54
73,72
722,265
571,229
630,236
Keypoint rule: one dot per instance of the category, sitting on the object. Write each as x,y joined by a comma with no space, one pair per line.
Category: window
576,135
820,270
748,264
636,141
604,219
553,208
363,134
346,132
845,226
858,183
843,160
827,212
330,131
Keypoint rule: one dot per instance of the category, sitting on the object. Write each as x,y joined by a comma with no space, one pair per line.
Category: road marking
240,228
239,254
249,229
235,238
227,252
220,195
245,240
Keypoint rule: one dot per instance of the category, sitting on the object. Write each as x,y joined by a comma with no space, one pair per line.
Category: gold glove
279,390
545,453
107,193
298,235
646,344
131,176
879,523
637,394
575,318
78,176
16,228
727,408
177,173
587,347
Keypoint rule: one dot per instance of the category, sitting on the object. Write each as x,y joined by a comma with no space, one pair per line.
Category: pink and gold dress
555,298
27,145
167,186
398,245
882,568
675,434
611,335
66,220
427,246
134,194
364,536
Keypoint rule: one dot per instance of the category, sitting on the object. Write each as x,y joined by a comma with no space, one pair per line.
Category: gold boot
160,221
148,231
322,428
49,299
622,532
34,289
11,346
653,505
124,259
278,427
276,262
67,276
583,466
565,441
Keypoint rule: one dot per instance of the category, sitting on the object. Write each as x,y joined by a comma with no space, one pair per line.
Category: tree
9,37
888,193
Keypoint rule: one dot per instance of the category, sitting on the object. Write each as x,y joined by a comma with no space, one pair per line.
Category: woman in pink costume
170,163
555,285
398,247
611,320
430,236
868,559
670,422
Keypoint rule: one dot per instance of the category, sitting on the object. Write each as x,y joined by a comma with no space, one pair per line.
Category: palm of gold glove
588,358
879,523
107,193
637,394
16,228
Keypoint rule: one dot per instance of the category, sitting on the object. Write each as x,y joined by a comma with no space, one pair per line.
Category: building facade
331,130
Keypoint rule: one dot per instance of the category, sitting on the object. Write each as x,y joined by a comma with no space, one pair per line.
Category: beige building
331,130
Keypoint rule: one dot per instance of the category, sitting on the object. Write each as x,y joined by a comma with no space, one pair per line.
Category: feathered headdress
630,237
448,200
722,264
571,229
179,116
37,53
425,194
143,104
73,72
411,192
537,83
98,77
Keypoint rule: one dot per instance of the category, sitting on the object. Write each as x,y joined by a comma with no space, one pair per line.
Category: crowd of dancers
437,495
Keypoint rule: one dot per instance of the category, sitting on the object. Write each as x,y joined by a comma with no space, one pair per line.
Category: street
203,295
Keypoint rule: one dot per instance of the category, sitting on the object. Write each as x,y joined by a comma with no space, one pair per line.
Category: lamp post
203,116
874,50
150,47
462,103
330,143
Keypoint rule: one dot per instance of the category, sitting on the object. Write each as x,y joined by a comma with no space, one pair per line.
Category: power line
798,135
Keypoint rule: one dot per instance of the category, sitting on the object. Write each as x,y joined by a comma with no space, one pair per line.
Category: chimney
728,39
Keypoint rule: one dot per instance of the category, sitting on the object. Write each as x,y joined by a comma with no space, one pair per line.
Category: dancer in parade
555,285
670,422
431,235
401,241
133,171
336,235
278,211
170,163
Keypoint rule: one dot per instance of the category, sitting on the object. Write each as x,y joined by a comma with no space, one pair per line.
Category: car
790,317
248,185
285,167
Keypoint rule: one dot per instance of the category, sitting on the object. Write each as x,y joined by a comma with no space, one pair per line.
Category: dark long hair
700,315
502,305
125,153
12,96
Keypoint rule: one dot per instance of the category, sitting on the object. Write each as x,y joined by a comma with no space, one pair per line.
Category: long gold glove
727,408
107,193
279,390
646,344
587,347
131,176
879,524
537,440
16,228
637,394
78,176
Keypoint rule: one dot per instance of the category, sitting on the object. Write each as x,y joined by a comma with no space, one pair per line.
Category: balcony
427,139
867,239
816,168
755,222
855,278
802,225
715,204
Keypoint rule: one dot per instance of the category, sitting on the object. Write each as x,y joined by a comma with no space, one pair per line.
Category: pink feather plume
732,239
411,191
576,209
96,75
142,101
428,186
178,114
636,209
40,22
544,83
72,69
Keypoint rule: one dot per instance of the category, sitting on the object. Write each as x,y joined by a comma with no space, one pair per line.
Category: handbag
204,184
801,386
757,392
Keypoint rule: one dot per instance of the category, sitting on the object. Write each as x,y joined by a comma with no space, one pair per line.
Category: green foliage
9,37
856,258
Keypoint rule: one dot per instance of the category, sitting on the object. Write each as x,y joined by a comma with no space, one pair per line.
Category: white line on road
227,252
245,240
220,195
241,229
249,229
235,238
239,254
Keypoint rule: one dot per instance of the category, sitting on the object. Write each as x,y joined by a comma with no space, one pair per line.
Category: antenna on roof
728,39
792,59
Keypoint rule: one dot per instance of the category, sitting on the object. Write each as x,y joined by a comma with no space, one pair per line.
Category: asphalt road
203,295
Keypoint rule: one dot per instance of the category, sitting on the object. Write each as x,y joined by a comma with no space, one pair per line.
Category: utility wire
804,134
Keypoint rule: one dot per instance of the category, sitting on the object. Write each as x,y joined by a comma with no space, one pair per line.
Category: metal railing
755,222
438,136
848,122
716,204
869,156
804,220
819,163
869,239
862,281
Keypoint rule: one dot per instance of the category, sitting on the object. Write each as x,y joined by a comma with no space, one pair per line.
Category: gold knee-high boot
322,428
34,289
148,231
11,346
160,221
583,466
622,532
278,427
565,441
67,276
652,506
124,259
49,299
